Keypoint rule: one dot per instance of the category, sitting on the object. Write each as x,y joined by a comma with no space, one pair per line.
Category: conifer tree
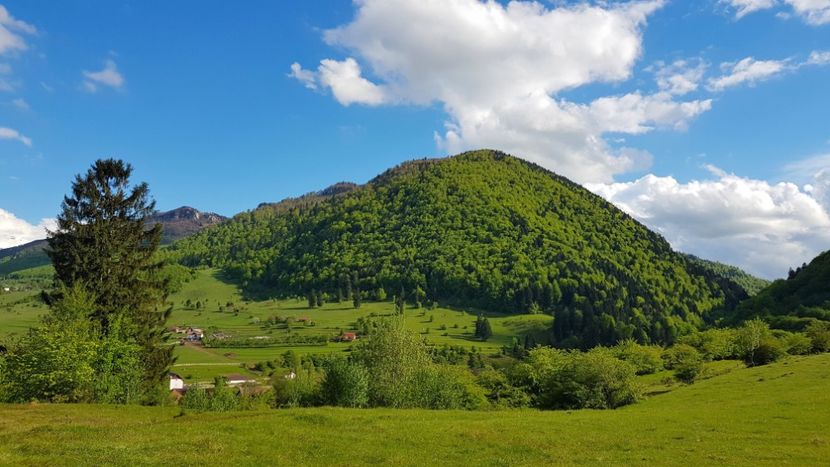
102,243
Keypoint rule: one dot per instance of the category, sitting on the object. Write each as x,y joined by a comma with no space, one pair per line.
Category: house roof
175,375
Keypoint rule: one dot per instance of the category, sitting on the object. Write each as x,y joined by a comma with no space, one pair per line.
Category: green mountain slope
22,257
794,302
751,284
482,229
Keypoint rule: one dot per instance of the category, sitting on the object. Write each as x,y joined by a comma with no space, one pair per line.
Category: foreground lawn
779,414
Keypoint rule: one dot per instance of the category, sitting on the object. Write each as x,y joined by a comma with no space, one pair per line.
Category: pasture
771,415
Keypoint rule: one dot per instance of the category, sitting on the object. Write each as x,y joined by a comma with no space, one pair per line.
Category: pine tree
103,245
356,301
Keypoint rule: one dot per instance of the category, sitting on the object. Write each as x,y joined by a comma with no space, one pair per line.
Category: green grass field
20,310
246,319
772,415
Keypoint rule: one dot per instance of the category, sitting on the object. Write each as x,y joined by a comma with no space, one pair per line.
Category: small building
176,382
7,289
303,319
195,334
237,379
348,337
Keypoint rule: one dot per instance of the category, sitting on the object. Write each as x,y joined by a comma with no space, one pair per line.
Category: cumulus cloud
109,76
765,228
814,12
8,133
15,231
498,70
12,31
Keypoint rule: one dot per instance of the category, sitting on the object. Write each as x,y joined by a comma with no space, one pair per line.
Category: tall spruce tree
102,243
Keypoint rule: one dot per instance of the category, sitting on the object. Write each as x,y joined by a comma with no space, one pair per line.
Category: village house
176,382
348,336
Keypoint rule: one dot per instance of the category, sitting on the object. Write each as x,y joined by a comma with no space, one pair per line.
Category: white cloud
745,7
749,71
308,78
814,12
15,231
11,31
108,76
762,227
497,70
8,133
819,57
347,83
680,77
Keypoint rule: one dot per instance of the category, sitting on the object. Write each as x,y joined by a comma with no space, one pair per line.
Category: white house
176,382
7,289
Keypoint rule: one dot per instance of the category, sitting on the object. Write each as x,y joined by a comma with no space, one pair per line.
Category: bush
394,357
713,344
575,380
345,384
686,362
500,392
769,350
446,387
298,388
748,339
796,343
819,334
645,358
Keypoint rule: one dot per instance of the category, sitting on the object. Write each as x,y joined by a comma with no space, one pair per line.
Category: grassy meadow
771,415
440,326
246,318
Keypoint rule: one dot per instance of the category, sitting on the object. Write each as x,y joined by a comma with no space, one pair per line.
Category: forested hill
751,284
793,303
481,229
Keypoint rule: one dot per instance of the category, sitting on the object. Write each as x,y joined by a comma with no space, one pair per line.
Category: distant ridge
178,223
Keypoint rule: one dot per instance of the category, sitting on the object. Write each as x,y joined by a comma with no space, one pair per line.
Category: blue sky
200,98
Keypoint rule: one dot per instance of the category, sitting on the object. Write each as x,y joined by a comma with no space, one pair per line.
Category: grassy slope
204,363
20,310
768,415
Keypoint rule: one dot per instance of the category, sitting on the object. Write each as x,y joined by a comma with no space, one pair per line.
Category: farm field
771,415
440,326
247,319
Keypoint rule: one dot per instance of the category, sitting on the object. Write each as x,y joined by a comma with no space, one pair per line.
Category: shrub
686,362
819,334
303,389
500,392
748,339
713,344
446,387
345,384
393,356
796,343
769,350
574,380
645,358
